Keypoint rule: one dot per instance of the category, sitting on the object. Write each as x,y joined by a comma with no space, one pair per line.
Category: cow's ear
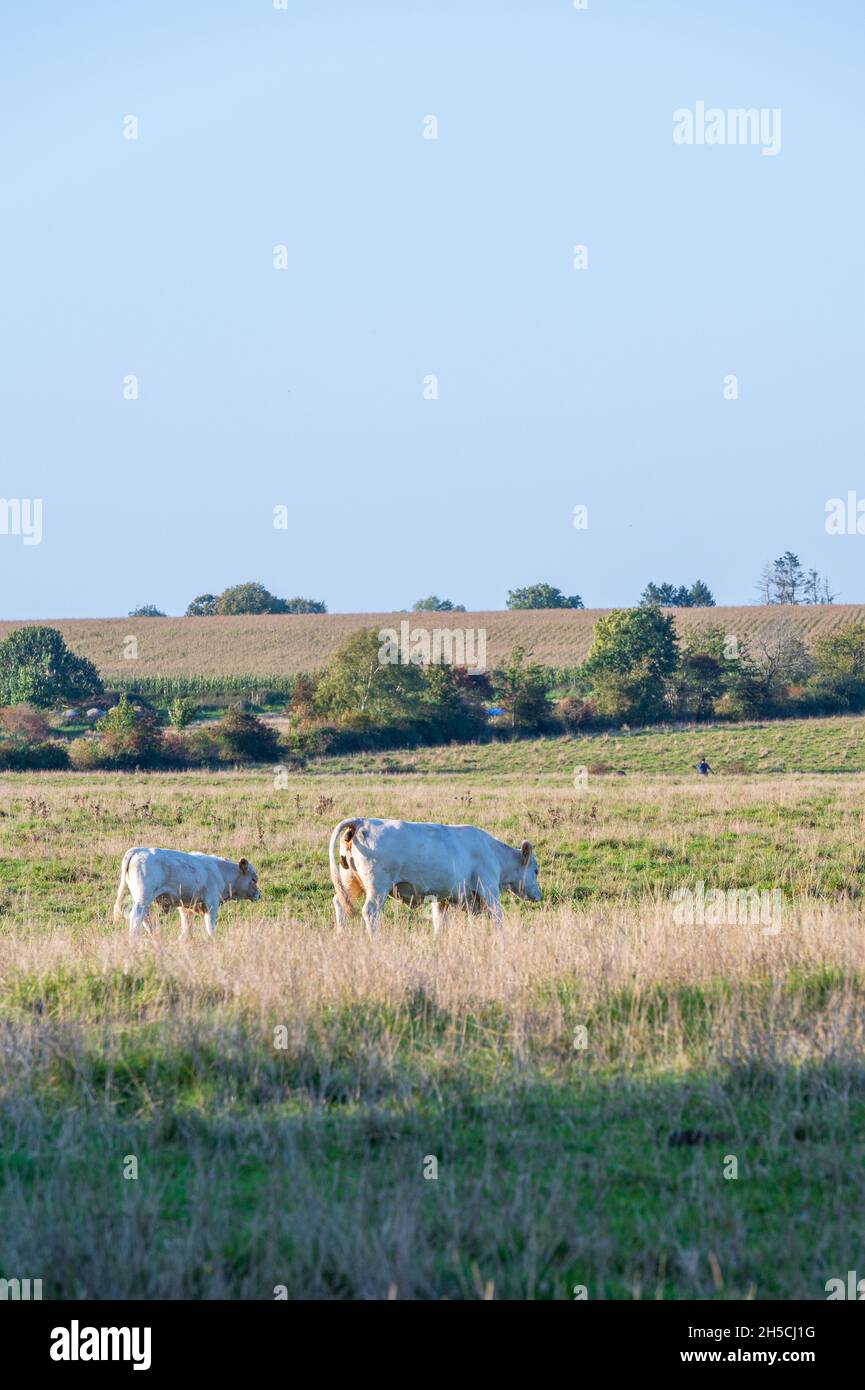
525,852
243,865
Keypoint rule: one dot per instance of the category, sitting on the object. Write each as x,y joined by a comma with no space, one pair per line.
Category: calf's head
245,885
524,881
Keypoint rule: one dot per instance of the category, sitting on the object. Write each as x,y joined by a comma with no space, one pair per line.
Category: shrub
32,757
24,722
201,745
243,735
130,738
572,712
86,755
180,712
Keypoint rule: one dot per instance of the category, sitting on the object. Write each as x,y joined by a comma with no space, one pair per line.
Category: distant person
703,768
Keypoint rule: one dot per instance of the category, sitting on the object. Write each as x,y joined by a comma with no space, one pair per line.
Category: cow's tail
121,887
344,826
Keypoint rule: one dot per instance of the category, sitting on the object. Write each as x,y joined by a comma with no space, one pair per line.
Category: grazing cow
412,860
191,882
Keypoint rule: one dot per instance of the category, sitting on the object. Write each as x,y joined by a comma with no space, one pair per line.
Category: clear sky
406,256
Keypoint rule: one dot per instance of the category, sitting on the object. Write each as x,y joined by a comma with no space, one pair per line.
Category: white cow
191,882
412,860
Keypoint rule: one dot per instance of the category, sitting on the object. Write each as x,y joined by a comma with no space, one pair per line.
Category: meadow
474,1116
270,648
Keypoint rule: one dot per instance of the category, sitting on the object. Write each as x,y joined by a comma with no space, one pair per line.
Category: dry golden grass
286,968
265,645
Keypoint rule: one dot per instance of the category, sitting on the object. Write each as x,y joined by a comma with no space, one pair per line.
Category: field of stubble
467,1117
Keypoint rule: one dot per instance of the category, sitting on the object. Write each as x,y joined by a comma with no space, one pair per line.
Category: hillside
265,645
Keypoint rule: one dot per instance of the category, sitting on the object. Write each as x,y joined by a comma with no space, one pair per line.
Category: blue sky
407,257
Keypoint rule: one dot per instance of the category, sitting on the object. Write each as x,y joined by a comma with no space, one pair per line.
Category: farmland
581,1083
269,647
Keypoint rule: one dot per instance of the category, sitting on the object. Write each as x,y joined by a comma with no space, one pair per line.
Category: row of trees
638,671
785,580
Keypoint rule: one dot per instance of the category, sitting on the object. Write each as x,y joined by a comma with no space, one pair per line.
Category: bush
572,713
24,722
17,756
130,738
86,755
241,734
201,747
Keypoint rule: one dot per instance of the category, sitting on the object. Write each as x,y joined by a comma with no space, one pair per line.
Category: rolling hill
265,645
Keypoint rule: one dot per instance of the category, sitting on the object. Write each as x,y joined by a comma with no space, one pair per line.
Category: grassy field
265,646
285,1089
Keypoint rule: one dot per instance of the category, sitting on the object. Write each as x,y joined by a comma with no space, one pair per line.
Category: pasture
581,1083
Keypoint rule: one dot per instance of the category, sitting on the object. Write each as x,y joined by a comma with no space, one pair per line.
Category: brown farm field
265,645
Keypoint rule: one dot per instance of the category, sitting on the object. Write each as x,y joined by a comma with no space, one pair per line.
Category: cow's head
245,884
525,878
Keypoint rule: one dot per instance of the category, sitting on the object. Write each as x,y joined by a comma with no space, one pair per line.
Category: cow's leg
138,918
372,911
439,915
185,921
211,912
493,903
341,914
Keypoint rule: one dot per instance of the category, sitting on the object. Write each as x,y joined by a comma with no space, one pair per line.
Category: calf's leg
439,915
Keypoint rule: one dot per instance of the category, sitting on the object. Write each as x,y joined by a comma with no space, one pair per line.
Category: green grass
306,1168
834,744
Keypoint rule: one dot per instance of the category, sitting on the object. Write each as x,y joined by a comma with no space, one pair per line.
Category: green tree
36,666
248,598
433,604
784,580
542,596
302,605
839,667
702,675
521,687
633,654
455,701
699,595
363,686
202,607
147,610
254,598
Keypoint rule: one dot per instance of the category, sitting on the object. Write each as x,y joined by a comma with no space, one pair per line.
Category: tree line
785,580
